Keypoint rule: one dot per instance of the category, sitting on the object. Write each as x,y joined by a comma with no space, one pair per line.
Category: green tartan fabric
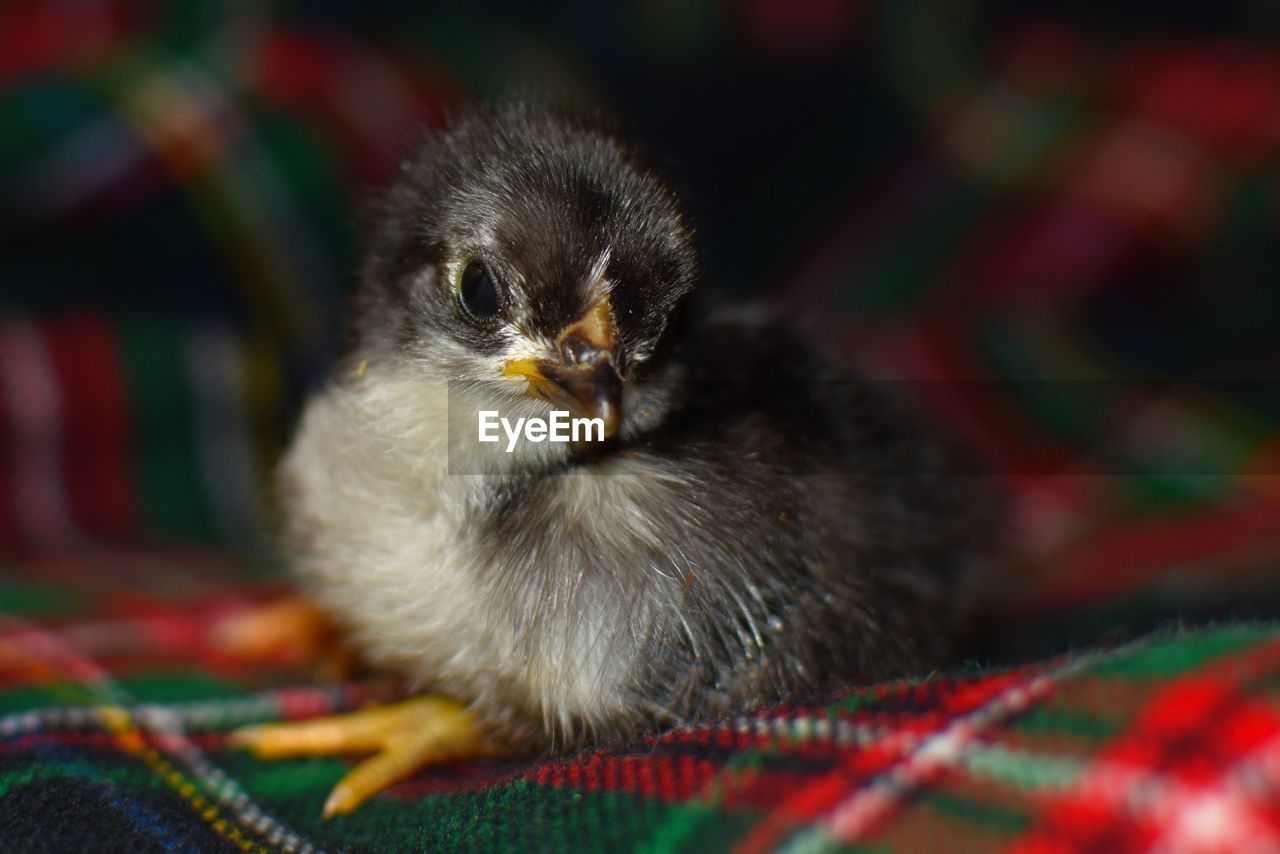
1055,227
114,716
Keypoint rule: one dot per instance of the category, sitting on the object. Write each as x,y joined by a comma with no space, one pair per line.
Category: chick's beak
584,376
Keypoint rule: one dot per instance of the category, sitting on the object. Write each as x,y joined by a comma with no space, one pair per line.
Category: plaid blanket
114,716
1056,227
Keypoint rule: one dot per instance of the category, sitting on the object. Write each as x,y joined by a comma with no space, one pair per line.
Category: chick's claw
406,736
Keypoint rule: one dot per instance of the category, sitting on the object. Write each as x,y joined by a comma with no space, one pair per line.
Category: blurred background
1059,223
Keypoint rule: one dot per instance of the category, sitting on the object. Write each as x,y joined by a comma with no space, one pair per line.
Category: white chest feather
382,538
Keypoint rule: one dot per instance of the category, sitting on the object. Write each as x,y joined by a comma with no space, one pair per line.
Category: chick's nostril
576,350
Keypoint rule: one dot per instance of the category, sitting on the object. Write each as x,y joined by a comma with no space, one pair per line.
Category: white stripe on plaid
216,783
849,820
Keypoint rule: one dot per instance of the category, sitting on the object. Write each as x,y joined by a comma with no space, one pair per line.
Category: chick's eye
479,293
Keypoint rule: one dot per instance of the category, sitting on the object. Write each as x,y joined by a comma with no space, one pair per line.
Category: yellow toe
406,736
291,629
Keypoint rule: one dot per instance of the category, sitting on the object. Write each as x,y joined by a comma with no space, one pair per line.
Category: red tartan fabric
116,710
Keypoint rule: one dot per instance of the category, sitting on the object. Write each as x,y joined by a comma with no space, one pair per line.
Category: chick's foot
289,630
406,736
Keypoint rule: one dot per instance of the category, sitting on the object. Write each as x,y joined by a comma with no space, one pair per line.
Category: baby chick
756,524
